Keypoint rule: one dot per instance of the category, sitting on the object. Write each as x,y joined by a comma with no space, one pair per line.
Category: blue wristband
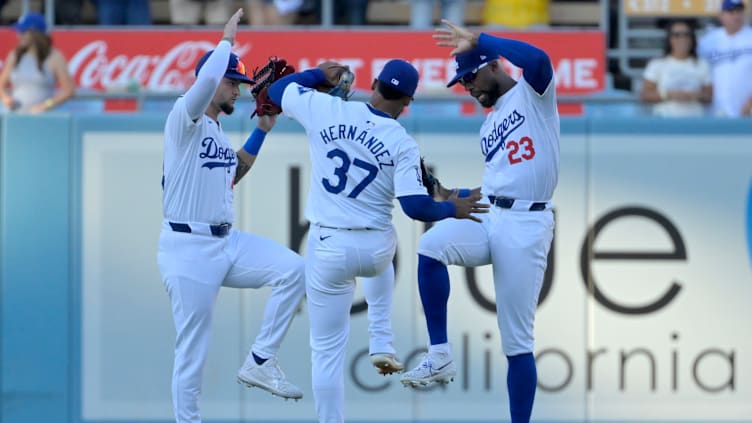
254,142
464,192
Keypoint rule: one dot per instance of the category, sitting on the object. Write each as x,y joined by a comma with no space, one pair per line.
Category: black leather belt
345,229
507,203
221,230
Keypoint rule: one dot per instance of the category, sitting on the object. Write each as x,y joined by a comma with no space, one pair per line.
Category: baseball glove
275,69
429,181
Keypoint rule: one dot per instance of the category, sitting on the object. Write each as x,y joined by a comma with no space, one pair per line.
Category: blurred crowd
695,76
507,13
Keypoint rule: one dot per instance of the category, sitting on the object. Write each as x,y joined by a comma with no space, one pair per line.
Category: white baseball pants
379,291
334,258
193,268
516,243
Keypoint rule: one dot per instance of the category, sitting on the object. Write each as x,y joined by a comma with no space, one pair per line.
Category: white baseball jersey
360,160
520,141
199,169
669,73
730,58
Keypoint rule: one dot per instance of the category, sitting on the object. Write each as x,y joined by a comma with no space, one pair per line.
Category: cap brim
239,77
457,77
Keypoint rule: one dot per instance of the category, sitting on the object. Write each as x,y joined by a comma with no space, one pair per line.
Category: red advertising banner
163,60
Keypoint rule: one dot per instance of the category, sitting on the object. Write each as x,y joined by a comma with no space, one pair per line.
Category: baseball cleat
386,364
269,377
434,368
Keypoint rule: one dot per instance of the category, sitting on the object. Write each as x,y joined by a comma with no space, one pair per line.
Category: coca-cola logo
93,68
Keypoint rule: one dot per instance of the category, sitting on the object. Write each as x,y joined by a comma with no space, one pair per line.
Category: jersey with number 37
360,160
520,141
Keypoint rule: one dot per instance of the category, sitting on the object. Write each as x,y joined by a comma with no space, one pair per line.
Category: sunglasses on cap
470,76
239,68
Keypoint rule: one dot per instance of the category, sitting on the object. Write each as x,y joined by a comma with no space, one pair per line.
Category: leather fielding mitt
273,70
429,181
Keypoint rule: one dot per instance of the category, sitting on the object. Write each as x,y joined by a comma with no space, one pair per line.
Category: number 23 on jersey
519,151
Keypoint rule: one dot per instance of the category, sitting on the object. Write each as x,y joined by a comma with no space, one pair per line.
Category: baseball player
362,158
520,144
198,249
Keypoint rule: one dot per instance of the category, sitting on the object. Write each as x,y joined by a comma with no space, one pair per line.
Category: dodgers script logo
226,156
496,137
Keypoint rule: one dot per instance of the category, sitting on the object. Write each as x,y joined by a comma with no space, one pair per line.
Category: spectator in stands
68,12
729,52
123,12
350,12
33,69
191,12
421,12
678,83
273,12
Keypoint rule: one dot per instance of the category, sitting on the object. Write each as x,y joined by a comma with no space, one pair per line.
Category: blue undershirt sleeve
535,64
425,209
310,78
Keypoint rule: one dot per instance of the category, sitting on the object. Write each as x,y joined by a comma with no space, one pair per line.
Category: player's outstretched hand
466,206
333,71
266,122
455,36
231,27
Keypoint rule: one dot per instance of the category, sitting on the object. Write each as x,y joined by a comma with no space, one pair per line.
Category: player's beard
492,94
227,108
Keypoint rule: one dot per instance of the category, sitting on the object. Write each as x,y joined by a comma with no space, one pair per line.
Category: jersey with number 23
520,141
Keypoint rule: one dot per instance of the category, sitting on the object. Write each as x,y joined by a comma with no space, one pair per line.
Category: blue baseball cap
31,21
235,67
471,62
732,5
400,75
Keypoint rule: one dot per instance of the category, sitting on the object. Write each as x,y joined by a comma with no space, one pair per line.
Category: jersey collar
377,112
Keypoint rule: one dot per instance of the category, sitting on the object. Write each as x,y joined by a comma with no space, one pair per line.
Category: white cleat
386,364
269,377
434,368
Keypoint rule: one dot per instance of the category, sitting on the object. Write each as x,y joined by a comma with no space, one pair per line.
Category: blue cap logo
31,22
470,62
400,75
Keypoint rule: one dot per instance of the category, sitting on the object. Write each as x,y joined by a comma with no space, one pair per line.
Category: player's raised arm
211,72
534,62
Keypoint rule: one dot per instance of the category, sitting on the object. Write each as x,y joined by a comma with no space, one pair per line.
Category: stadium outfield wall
644,315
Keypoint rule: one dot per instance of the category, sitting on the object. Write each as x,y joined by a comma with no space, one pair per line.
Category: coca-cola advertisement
164,61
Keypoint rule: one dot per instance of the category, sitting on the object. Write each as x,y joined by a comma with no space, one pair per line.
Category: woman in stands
678,84
33,69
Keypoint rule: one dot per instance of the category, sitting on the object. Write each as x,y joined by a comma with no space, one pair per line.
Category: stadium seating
380,12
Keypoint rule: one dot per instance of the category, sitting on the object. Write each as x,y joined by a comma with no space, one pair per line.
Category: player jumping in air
520,146
362,159
199,251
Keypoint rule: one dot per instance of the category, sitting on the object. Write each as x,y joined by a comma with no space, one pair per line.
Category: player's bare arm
247,155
